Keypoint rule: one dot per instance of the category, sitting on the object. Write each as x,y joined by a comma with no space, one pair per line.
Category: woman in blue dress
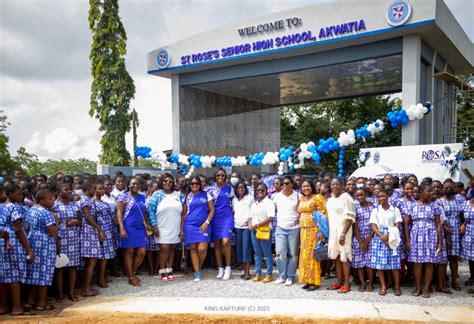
223,221
104,220
197,214
42,238
69,235
132,217
14,260
91,237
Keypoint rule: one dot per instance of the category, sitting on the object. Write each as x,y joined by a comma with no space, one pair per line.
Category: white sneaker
279,281
220,273
288,282
227,273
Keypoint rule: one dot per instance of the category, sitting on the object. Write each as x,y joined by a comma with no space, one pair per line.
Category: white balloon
303,147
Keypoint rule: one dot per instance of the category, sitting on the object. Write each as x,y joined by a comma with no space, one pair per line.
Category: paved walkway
270,308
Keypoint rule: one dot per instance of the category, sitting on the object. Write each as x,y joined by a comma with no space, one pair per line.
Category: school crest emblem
398,13
163,58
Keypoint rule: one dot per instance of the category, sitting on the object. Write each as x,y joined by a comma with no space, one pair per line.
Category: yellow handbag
263,233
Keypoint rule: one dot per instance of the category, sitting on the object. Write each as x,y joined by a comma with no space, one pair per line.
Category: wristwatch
207,222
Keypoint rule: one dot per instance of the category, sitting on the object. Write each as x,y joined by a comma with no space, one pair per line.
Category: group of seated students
71,229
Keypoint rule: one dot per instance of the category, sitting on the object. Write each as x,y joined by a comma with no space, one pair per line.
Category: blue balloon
312,148
292,149
282,150
395,125
393,118
404,121
320,148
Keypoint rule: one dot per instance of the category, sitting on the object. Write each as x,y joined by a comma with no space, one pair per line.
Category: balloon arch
294,157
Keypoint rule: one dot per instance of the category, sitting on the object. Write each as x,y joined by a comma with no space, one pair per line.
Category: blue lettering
329,31
322,34
361,25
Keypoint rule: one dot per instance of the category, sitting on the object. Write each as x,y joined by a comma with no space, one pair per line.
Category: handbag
322,223
263,233
321,251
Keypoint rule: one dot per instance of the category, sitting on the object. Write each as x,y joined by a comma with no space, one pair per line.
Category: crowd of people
62,232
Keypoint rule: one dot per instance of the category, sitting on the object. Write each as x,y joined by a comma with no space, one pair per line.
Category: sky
45,69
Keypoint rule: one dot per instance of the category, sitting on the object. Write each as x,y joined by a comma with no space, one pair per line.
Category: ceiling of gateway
381,75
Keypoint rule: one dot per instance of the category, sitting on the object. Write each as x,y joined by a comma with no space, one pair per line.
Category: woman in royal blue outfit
132,218
223,221
197,214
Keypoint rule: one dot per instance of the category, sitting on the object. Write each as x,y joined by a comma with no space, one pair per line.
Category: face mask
449,192
360,186
234,180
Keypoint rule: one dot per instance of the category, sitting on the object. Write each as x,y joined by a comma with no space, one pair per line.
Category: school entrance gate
228,83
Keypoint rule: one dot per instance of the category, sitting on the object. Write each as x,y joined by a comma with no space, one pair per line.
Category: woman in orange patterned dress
309,270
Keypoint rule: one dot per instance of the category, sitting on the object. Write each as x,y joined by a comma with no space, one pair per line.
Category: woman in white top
383,219
287,236
262,213
243,243
341,215
165,210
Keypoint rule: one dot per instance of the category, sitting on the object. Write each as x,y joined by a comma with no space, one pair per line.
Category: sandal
29,306
90,293
334,286
361,289
416,292
382,291
21,312
444,291
370,288
73,298
344,290
397,292
44,308
134,281
425,295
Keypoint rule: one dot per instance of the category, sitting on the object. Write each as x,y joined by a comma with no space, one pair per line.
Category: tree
29,162
465,114
112,87
7,164
304,123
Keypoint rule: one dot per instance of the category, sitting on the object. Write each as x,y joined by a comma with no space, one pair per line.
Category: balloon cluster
223,161
280,168
362,132
328,145
143,151
341,163
285,153
238,161
376,127
398,117
416,111
346,139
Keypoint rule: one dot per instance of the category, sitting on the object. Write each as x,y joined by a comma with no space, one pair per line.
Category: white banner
421,160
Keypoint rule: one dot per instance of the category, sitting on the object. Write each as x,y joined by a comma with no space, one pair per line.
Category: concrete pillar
175,122
411,79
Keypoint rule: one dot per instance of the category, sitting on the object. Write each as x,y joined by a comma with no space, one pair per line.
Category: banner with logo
438,161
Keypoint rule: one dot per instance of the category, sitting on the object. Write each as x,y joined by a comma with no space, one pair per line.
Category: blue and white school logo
398,12
163,58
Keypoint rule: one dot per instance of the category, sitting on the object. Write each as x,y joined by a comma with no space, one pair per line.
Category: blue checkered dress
90,244
467,242
104,220
69,235
423,233
41,271
405,206
381,256
452,210
361,259
13,269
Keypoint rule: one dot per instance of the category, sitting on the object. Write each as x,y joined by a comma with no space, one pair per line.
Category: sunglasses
168,181
286,183
194,184
220,175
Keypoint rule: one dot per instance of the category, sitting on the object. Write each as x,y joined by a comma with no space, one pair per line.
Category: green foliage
148,163
7,164
112,87
304,123
31,165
